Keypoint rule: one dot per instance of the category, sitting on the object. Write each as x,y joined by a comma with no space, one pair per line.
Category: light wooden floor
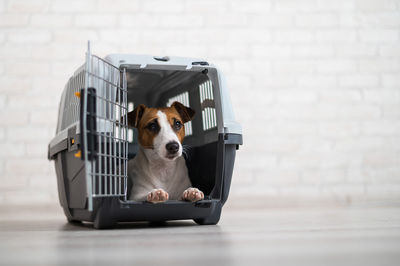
362,235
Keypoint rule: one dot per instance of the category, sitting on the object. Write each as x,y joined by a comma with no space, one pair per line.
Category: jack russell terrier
158,171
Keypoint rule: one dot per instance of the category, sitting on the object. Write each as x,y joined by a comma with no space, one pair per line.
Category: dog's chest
173,180
165,175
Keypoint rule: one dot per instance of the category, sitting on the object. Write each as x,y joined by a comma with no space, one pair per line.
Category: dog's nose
172,147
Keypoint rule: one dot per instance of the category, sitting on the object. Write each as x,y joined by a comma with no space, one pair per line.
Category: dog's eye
177,125
153,126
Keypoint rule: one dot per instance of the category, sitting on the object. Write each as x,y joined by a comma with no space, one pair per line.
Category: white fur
165,135
151,169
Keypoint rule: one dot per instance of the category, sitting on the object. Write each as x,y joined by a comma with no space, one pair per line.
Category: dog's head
161,129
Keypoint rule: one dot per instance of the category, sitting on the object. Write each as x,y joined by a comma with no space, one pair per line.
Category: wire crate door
104,128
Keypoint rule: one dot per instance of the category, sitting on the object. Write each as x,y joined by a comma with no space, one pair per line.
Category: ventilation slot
183,98
72,103
207,105
130,130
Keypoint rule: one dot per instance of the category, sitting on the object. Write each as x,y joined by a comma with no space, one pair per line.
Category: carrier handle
90,123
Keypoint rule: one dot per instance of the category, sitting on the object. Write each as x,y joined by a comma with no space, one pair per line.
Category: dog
158,171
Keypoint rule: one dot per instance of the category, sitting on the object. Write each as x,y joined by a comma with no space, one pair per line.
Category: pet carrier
93,143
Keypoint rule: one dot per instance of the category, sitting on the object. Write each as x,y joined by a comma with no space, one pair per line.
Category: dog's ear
135,116
186,113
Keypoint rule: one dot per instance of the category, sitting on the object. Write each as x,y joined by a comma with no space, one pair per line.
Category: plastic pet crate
93,142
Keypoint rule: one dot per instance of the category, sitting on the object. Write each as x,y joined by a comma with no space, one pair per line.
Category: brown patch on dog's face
175,121
147,125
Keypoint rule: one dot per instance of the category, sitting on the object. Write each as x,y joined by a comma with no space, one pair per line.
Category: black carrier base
110,211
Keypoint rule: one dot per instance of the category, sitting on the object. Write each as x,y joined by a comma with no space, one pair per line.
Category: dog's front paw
192,194
157,195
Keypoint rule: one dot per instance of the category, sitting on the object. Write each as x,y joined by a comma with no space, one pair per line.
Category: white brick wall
315,84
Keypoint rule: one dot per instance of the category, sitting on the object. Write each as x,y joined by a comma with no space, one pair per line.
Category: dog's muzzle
172,147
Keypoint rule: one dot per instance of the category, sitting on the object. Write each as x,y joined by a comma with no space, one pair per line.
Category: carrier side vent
208,113
183,98
72,102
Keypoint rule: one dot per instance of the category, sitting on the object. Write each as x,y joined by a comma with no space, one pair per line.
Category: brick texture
315,85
